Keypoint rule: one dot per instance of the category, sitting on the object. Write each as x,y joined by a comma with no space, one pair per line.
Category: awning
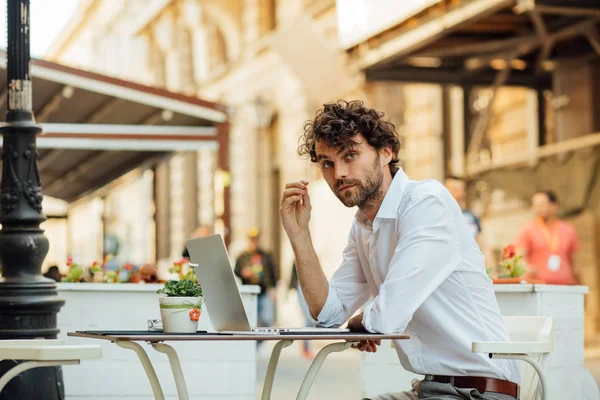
97,128
468,41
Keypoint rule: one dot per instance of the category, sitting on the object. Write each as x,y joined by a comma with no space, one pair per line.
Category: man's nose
341,171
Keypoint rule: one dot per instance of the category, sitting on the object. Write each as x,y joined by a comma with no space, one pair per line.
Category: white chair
531,340
39,353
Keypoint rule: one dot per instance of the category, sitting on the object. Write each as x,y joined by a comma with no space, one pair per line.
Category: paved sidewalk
341,368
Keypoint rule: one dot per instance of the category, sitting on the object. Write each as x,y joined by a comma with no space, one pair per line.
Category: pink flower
509,252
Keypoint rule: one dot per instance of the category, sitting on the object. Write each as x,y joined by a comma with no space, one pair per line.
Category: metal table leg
268,385
175,367
316,366
145,360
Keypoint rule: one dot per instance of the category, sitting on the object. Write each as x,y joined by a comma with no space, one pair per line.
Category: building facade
273,62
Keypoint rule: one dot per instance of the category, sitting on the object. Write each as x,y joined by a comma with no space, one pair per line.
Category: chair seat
51,352
512,347
30,343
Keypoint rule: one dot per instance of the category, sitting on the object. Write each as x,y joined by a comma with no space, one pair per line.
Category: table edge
206,338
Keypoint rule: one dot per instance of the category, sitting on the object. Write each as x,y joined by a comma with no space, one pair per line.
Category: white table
130,340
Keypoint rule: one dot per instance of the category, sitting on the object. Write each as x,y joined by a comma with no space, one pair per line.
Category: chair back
539,331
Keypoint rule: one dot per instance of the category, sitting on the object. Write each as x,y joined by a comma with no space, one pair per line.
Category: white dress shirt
420,263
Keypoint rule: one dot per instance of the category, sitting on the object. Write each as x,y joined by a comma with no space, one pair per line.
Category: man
410,249
548,243
458,189
257,267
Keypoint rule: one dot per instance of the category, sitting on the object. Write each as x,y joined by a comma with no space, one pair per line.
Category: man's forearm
313,282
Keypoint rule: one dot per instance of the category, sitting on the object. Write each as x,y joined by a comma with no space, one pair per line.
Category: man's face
354,174
542,207
253,243
457,189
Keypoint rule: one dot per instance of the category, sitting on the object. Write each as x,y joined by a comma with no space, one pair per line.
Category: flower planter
180,314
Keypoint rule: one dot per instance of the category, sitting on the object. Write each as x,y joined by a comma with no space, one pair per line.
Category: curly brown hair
338,123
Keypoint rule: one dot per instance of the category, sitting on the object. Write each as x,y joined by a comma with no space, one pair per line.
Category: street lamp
28,301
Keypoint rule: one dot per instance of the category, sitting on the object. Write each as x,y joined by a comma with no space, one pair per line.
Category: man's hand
247,273
295,209
355,325
272,292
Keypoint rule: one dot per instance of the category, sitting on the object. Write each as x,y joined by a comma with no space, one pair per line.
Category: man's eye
326,164
351,155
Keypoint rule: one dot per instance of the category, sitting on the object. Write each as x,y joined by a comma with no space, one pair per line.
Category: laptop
210,262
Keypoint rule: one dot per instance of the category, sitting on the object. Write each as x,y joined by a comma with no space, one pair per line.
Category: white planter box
381,372
212,369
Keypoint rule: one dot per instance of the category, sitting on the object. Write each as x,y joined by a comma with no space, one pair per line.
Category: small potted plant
180,306
75,273
512,268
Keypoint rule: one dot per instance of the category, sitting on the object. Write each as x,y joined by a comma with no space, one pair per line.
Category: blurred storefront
103,158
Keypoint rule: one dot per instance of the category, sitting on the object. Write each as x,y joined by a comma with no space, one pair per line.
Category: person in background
548,243
256,266
294,284
458,189
53,273
201,231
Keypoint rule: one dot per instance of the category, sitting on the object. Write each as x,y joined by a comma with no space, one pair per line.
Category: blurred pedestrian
256,266
295,284
548,243
53,273
200,231
458,189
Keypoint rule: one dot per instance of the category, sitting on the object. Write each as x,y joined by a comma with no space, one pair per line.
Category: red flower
509,252
69,261
128,267
194,314
180,262
95,263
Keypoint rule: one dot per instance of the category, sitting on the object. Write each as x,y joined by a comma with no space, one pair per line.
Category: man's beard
365,193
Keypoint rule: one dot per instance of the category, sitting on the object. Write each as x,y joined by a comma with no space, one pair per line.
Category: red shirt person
548,243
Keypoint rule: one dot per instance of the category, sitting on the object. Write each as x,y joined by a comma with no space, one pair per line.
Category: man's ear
385,155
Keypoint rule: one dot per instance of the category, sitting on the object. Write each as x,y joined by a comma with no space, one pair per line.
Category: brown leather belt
481,384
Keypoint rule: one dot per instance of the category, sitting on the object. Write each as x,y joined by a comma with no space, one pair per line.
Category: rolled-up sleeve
426,254
348,288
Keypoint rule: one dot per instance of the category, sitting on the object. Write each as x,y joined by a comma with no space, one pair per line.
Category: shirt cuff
330,312
366,321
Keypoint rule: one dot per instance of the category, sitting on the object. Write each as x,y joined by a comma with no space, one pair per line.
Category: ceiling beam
74,174
101,111
570,11
140,160
527,46
464,50
66,92
49,158
456,77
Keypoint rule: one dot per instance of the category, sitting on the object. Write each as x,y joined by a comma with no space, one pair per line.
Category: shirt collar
391,201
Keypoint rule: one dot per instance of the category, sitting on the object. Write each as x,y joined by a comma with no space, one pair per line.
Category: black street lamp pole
29,302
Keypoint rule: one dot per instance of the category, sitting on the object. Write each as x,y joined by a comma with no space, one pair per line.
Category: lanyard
551,235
